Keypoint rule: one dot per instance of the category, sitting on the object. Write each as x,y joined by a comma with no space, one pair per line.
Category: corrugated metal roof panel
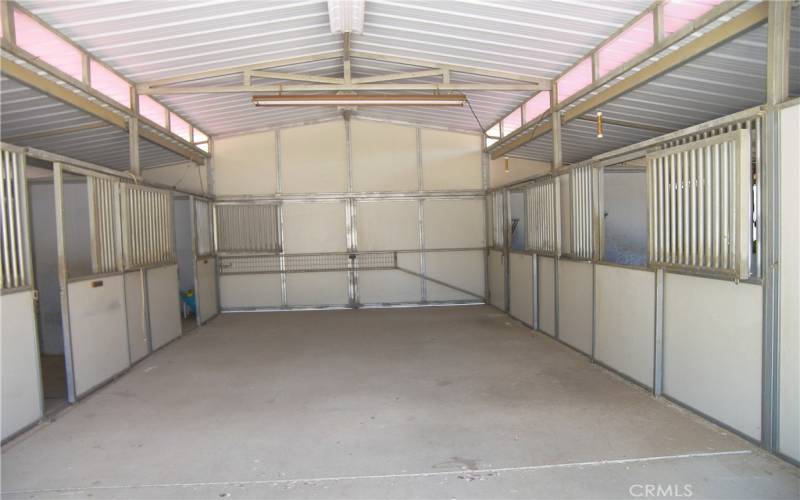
33,119
725,80
155,40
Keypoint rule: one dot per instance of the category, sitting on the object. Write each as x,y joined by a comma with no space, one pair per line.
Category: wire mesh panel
148,234
700,206
307,263
247,227
13,210
581,198
544,219
103,224
203,217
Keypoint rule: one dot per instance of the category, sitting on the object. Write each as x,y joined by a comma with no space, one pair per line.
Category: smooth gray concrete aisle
440,402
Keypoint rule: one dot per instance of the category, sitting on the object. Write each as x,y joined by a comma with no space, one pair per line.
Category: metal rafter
317,83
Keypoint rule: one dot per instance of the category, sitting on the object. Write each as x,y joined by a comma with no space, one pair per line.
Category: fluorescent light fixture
361,100
346,16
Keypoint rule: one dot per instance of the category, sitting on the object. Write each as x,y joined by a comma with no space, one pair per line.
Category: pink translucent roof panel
512,122
107,82
152,110
179,127
47,46
494,131
199,136
634,40
537,105
575,79
679,13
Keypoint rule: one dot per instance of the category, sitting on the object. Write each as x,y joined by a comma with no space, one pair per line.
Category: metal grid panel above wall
307,263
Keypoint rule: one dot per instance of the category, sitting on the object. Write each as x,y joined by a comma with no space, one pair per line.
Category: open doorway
53,349
184,250
517,220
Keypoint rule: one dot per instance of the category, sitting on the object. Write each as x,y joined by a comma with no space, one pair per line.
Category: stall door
21,387
149,246
205,275
90,276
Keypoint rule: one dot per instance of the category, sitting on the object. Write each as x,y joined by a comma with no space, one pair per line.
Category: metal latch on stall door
36,295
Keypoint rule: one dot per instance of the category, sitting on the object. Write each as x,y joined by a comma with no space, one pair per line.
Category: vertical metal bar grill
148,235
498,227
544,217
15,271
700,204
103,216
581,194
247,227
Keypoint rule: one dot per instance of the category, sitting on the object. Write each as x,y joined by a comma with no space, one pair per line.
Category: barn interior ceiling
205,62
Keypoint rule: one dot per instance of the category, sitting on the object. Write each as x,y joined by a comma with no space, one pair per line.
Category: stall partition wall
206,286
150,259
695,339
116,289
789,369
374,214
22,398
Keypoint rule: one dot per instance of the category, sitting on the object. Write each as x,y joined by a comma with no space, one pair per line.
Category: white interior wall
315,228
789,371
385,158
390,225
245,165
450,160
518,169
186,177
314,158
712,348
250,291
454,223
19,363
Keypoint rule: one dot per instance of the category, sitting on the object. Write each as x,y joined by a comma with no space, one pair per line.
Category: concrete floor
438,403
